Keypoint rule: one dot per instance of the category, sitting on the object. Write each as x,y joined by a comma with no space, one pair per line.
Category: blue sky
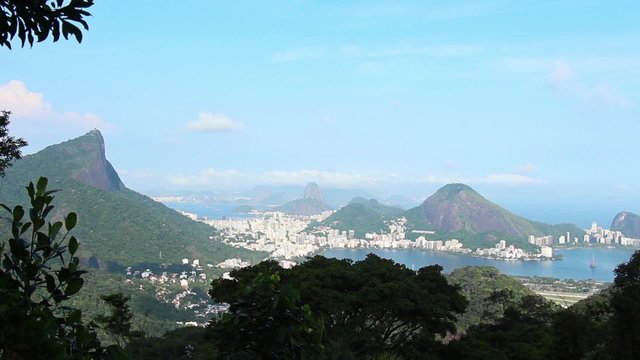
535,104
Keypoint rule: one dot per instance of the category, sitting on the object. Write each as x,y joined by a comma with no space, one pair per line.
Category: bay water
575,263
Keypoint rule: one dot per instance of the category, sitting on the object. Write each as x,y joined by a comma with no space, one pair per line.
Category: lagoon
575,263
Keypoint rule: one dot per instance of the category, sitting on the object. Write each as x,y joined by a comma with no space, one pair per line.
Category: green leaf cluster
34,20
9,145
38,274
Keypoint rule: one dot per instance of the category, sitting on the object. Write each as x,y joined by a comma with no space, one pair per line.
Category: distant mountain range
454,211
628,223
116,225
311,204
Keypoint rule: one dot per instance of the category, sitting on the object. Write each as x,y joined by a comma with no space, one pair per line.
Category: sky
534,104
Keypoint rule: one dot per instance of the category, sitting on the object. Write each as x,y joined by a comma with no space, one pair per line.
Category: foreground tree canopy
337,307
34,20
38,274
9,145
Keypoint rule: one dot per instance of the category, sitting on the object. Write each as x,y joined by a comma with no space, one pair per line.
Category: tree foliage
117,324
267,322
9,146
523,332
363,309
625,306
39,272
34,20
488,291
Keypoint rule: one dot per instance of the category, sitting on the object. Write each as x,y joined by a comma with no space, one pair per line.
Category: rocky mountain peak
312,191
84,159
628,223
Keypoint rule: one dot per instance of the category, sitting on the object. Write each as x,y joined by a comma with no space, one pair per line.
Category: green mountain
458,211
628,223
363,216
311,204
116,225
303,207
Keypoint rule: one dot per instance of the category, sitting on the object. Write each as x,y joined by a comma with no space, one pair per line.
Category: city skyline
534,105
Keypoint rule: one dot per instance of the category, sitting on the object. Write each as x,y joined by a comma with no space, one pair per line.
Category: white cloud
86,120
451,50
31,112
507,179
350,52
493,179
623,188
207,122
562,78
306,53
331,178
15,97
608,96
561,73
232,177
211,177
527,168
591,64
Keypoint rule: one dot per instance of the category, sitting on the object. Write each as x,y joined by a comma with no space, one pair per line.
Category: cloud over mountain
207,122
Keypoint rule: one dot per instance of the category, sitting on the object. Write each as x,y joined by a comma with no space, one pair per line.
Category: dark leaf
73,286
73,245
17,249
47,210
64,274
43,239
70,221
54,229
25,227
18,213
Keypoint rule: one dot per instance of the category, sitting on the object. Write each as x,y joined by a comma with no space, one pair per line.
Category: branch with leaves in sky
34,20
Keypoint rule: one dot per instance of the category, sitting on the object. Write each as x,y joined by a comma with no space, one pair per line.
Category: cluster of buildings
286,237
453,245
279,234
182,278
504,252
233,263
594,235
598,235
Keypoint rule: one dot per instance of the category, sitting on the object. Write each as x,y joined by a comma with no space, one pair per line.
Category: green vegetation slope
303,207
458,211
363,216
115,224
